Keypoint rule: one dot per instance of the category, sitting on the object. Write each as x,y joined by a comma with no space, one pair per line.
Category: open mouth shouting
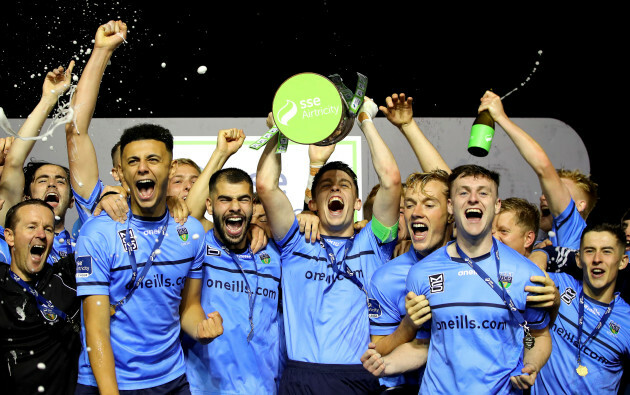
37,250
473,214
146,189
597,272
235,226
52,198
419,231
335,205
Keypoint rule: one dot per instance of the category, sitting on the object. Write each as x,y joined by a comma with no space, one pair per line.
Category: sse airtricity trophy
309,108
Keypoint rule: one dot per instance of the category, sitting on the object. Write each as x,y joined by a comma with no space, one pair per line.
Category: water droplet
88,349
163,65
195,236
40,388
57,218
202,70
41,366
551,233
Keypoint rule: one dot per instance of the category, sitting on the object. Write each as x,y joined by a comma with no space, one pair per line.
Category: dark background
444,58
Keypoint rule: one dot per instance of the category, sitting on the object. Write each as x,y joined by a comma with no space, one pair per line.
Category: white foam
202,70
551,233
41,366
163,65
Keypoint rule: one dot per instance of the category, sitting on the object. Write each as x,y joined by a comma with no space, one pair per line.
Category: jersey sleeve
568,227
389,316
93,261
290,240
85,207
200,252
537,318
416,282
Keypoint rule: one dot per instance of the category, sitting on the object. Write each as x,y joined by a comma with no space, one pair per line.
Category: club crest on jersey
183,233
568,295
265,258
614,328
436,282
505,279
212,251
132,239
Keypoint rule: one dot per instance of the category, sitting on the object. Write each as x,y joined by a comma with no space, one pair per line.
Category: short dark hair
11,218
31,168
472,170
233,176
147,131
335,165
114,149
525,213
613,229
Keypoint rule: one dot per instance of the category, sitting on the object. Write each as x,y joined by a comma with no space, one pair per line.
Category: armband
384,233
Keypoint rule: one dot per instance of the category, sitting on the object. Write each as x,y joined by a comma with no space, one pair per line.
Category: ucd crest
265,258
614,328
505,279
183,233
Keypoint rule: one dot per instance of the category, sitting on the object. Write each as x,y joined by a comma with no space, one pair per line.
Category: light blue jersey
145,330
568,228
602,356
476,344
325,314
5,252
389,288
231,364
85,207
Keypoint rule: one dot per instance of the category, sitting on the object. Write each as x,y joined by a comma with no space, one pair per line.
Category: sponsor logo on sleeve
84,266
436,282
374,308
568,295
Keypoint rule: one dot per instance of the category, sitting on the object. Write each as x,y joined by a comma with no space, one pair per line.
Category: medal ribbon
44,305
251,294
135,280
503,293
599,326
345,271
355,100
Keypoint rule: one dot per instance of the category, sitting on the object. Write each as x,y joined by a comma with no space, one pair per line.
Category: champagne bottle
481,134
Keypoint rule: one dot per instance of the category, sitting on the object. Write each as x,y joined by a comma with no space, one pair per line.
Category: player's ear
580,205
209,205
497,206
312,205
358,204
449,207
173,169
530,238
624,262
578,261
9,237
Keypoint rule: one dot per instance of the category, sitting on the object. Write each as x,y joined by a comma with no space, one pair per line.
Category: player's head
335,197
516,225
582,189
115,153
601,256
425,210
50,183
185,175
625,225
231,206
473,200
259,216
29,232
146,152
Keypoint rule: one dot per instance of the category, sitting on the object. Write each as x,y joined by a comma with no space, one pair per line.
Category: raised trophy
309,108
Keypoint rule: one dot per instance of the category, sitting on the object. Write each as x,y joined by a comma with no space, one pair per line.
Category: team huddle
442,288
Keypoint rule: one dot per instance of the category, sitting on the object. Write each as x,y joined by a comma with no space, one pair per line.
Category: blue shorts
316,378
179,386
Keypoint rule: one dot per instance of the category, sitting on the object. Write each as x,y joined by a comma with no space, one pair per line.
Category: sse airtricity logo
286,113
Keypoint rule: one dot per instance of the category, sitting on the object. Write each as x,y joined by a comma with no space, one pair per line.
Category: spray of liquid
527,79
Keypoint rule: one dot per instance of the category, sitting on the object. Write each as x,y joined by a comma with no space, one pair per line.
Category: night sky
444,58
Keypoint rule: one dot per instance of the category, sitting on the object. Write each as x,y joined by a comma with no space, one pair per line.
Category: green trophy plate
308,109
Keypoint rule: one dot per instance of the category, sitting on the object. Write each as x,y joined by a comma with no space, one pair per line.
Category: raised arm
277,205
400,113
228,142
557,194
81,153
12,182
387,200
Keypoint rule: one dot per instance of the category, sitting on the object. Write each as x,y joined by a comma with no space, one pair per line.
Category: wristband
105,194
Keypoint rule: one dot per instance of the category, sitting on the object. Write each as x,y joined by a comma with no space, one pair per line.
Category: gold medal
581,370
